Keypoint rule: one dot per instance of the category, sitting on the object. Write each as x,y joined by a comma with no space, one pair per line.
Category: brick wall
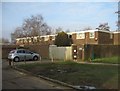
104,38
91,40
99,38
116,38
99,51
43,50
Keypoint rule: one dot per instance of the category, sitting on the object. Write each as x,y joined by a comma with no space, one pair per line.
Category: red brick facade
100,37
79,38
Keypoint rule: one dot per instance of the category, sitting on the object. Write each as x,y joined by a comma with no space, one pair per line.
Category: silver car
23,54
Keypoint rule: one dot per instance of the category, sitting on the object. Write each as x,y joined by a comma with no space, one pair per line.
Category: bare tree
33,26
4,41
87,28
103,26
18,32
59,29
45,29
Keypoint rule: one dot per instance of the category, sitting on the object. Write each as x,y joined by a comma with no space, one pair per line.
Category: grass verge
100,76
114,60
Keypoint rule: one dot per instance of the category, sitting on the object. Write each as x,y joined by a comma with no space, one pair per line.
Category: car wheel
35,58
16,59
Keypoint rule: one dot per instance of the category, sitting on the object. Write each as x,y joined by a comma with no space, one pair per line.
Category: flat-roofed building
79,38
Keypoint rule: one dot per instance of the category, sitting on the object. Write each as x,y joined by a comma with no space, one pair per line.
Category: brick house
79,38
46,39
92,37
99,40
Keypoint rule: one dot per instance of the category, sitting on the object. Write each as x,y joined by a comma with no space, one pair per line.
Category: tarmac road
13,79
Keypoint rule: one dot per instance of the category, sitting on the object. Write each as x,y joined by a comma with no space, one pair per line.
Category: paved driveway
12,79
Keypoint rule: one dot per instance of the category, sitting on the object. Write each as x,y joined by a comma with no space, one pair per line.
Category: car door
28,54
21,54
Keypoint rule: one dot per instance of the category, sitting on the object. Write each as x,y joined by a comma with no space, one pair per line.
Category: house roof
116,32
90,31
76,32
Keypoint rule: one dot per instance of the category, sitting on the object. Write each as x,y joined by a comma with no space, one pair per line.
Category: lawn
114,60
100,76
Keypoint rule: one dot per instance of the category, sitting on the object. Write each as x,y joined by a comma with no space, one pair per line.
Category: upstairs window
92,35
42,38
17,40
25,40
80,36
46,38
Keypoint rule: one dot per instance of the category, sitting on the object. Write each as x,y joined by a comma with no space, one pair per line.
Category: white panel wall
61,53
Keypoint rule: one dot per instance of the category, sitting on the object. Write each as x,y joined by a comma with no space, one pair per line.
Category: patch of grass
73,73
114,60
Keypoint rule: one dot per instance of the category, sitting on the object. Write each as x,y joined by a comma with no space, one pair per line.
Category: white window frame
35,39
91,35
80,36
46,38
17,40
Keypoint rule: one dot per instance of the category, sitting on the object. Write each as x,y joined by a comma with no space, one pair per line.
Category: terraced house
79,38
46,39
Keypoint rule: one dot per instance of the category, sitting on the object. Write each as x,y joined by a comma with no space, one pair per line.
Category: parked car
23,54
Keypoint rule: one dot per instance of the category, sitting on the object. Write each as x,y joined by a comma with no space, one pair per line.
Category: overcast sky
68,15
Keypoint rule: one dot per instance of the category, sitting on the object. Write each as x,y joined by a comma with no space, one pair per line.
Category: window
92,35
42,38
25,40
35,39
28,52
21,51
46,38
17,40
80,35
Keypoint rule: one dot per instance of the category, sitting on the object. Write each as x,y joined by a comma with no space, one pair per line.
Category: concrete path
50,61
12,79
98,63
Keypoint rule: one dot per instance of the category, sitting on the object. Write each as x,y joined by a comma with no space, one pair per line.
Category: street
12,79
